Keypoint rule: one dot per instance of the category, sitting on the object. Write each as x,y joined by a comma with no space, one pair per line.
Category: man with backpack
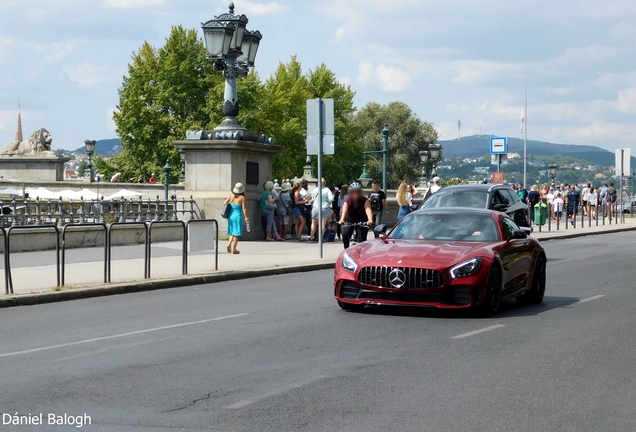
378,203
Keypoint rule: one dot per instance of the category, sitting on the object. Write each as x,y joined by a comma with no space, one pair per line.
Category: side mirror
380,229
518,235
499,207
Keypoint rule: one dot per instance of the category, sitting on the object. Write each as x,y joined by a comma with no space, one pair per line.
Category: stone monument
31,159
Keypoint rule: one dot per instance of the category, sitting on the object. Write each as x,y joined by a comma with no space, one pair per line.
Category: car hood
417,253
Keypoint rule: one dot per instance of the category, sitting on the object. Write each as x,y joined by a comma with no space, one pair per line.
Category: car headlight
467,268
349,264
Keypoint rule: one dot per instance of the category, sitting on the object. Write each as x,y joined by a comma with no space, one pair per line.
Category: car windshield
447,227
458,198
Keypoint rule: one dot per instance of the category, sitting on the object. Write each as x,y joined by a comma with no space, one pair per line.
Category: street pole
166,185
620,188
319,186
385,154
525,143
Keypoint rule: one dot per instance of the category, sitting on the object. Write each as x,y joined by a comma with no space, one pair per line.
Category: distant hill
105,148
479,145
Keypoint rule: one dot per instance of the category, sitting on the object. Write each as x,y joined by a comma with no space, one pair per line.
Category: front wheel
351,307
493,293
537,292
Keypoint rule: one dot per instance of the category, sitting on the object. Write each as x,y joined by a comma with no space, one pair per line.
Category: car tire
493,292
351,307
537,291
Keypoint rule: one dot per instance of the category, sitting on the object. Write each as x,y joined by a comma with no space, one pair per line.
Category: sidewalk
85,268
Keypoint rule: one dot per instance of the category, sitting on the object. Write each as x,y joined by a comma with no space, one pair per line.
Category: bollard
157,209
191,208
60,207
38,211
102,216
122,218
140,207
174,208
14,222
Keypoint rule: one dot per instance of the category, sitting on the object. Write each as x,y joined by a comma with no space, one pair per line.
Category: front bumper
450,297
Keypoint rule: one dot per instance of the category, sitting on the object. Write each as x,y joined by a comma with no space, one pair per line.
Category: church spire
18,131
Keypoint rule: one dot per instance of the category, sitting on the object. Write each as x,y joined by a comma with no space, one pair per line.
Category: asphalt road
277,354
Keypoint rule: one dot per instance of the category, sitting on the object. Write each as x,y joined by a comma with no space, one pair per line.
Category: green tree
409,136
165,93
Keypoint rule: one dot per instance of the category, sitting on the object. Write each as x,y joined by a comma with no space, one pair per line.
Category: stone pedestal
213,167
32,168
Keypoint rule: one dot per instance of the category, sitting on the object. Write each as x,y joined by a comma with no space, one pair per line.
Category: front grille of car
414,278
349,290
405,296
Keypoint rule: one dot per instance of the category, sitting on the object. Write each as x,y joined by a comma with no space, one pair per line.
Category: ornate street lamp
365,178
424,159
435,153
554,168
90,151
233,50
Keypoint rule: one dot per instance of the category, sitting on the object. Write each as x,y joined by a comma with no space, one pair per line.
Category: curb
158,284
577,234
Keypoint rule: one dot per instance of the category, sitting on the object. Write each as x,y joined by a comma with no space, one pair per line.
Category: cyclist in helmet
355,209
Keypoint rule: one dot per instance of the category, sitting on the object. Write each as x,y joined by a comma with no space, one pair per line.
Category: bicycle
355,236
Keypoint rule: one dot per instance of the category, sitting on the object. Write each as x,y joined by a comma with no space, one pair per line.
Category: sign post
320,131
498,147
623,164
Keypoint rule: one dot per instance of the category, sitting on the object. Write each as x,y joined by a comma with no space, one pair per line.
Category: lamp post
434,157
90,151
183,166
385,155
166,184
554,168
424,159
232,48
365,178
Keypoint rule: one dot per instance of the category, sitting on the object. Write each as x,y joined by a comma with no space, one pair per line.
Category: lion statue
38,143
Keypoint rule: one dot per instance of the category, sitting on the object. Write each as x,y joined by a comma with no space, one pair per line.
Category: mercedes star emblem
397,278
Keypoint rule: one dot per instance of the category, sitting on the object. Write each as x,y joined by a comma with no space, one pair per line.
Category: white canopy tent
125,193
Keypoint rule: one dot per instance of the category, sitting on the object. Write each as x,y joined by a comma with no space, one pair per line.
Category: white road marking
585,300
476,332
121,335
274,392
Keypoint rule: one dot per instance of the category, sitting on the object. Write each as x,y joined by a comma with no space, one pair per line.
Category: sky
454,60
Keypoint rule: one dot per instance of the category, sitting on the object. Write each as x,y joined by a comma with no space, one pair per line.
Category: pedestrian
612,198
585,193
356,209
436,186
378,203
344,193
323,213
592,202
404,198
299,203
557,207
573,201
534,196
152,179
522,192
268,209
238,216
412,190
283,208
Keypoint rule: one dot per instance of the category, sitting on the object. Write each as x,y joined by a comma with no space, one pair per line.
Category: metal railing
36,212
61,247
582,217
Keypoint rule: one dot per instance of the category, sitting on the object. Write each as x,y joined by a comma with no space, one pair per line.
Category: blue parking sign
498,145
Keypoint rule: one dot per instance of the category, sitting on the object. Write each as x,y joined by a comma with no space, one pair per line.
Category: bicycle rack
63,265
216,238
184,244
146,247
7,251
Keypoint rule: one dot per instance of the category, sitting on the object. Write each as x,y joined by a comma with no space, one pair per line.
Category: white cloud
85,75
5,42
259,9
627,100
386,78
54,51
131,4
8,121
345,81
110,122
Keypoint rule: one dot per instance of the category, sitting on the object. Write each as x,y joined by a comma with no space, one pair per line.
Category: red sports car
448,258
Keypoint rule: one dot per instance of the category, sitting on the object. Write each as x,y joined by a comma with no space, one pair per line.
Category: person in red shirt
152,179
